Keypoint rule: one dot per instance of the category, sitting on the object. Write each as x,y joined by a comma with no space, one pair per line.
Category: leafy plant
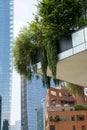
75,89
44,62
60,16
49,58
24,52
54,118
52,57
80,107
57,118
46,121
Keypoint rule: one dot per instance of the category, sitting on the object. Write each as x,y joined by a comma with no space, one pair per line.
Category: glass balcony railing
78,44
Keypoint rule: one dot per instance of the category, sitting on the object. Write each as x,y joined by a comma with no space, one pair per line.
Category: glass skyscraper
24,117
35,94
41,113
6,38
0,110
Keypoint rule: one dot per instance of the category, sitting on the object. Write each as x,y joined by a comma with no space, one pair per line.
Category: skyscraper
16,126
40,124
35,93
0,110
41,113
6,37
24,119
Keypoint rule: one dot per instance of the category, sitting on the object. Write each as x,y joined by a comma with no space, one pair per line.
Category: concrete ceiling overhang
72,69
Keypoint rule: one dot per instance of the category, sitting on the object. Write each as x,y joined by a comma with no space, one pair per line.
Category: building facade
0,110
6,38
40,124
16,126
61,113
41,113
24,117
35,93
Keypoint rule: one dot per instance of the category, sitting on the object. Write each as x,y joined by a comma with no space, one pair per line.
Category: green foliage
55,18
44,61
80,107
54,118
49,58
60,16
52,57
44,64
57,118
24,53
75,89
46,121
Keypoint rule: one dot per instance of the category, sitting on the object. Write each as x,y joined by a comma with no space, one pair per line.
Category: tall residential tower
6,37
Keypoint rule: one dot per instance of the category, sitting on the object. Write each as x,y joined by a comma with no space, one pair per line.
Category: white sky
23,13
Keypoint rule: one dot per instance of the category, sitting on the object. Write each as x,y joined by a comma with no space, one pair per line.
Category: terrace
72,58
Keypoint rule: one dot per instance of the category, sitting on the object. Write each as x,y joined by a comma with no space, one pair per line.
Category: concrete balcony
61,108
67,99
72,55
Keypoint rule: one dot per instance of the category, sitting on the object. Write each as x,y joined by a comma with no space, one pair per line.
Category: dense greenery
80,107
24,53
54,19
60,17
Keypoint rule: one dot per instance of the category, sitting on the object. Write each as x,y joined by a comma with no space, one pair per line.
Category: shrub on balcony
54,118
80,107
57,118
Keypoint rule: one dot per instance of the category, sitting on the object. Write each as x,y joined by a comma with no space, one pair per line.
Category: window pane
73,118
80,117
73,128
52,127
83,127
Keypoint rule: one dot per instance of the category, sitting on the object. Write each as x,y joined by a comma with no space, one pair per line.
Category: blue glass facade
6,38
0,110
40,124
35,93
41,112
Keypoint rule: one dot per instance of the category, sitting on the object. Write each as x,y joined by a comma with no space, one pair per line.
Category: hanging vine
44,61
52,57
75,89
44,64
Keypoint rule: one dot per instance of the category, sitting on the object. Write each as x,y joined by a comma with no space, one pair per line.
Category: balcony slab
72,69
